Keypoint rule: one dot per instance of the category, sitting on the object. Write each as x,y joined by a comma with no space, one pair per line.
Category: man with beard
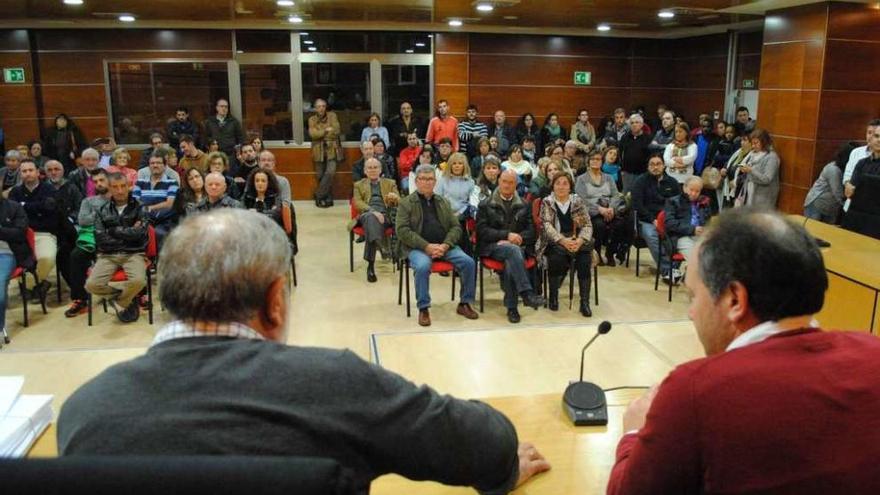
68,199
83,254
470,130
401,126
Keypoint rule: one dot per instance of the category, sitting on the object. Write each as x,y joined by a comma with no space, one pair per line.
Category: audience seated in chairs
566,241
456,185
547,170
408,160
505,233
649,194
429,230
607,210
218,352
373,197
83,255
261,194
215,193
486,183
121,239
10,175
191,194
267,162
39,203
68,200
218,162
389,165
426,157
686,217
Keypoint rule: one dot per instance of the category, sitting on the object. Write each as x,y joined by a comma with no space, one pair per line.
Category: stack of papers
22,417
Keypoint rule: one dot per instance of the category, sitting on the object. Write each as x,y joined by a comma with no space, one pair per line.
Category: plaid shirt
181,330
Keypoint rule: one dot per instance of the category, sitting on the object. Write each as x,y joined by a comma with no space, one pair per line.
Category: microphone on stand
584,402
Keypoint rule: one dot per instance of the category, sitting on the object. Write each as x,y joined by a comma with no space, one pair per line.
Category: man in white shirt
856,156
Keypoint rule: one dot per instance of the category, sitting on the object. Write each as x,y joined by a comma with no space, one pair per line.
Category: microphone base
584,404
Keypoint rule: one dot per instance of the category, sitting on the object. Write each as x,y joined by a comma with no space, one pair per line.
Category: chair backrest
536,216
134,475
31,238
354,212
661,224
152,246
287,217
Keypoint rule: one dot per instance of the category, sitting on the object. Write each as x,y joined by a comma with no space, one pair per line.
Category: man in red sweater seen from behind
778,406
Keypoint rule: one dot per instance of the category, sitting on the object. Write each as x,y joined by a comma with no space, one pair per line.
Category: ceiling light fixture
313,49
126,18
666,14
455,23
485,7
420,44
295,19
73,2
303,34
603,27
285,3
410,50
309,42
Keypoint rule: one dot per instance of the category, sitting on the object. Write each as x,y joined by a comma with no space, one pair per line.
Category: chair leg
6,339
21,287
351,251
671,279
400,283
481,287
596,285
453,285
58,284
104,302
627,256
293,267
89,303
43,297
638,252
657,275
545,282
149,297
406,268
571,285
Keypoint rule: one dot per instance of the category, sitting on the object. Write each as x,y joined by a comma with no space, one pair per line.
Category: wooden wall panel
451,42
843,114
18,109
76,40
853,21
792,65
650,72
806,22
796,158
549,45
852,65
791,198
537,71
541,101
450,69
789,113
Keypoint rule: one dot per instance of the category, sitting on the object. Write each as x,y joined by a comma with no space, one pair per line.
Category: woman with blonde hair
119,161
456,185
680,154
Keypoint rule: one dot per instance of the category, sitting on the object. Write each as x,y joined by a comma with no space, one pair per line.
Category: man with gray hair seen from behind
778,406
227,347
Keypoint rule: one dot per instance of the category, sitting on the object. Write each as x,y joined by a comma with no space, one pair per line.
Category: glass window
345,87
262,41
144,95
406,83
364,42
265,101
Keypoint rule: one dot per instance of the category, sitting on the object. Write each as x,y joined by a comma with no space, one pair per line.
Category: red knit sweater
798,413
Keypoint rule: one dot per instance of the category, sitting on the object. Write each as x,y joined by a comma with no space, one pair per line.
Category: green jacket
409,223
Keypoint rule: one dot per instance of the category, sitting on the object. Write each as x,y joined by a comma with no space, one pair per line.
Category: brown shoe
424,318
467,311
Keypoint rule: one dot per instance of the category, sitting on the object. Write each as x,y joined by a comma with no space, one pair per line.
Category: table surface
581,457
850,255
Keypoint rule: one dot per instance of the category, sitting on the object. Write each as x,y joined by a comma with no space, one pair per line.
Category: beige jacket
324,134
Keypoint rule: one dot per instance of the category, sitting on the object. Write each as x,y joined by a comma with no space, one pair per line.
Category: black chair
437,266
638,242
217,475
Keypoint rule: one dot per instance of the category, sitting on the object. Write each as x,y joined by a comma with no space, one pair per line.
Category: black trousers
79,264
559,261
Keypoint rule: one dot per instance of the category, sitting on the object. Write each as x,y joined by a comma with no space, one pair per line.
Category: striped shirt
149,194
466,139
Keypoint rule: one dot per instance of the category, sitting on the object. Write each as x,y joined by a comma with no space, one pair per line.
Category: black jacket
678,215
60,143
649,195
397,131
115,233
507,133
77,179
177,128
13,227
40,206
227,135
634,153
493,225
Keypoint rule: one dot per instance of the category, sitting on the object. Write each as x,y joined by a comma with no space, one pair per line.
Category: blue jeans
514,278
814,213
464,265
7,264
649,234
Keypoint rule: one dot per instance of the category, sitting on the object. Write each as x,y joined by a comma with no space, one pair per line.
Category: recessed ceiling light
309,42
410,50
303,34
455,23
295,19
420,44
485,7
666,14
239,51
126,18
73,2
603,27
285,3
313,49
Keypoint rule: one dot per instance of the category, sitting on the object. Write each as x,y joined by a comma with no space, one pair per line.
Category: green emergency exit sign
13,75
582,78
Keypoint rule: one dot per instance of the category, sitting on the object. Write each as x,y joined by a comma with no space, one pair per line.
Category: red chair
436,267
665,250
152,252
20,273
491,263
358,230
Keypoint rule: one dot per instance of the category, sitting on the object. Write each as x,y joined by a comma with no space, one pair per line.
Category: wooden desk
853,264
581,457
